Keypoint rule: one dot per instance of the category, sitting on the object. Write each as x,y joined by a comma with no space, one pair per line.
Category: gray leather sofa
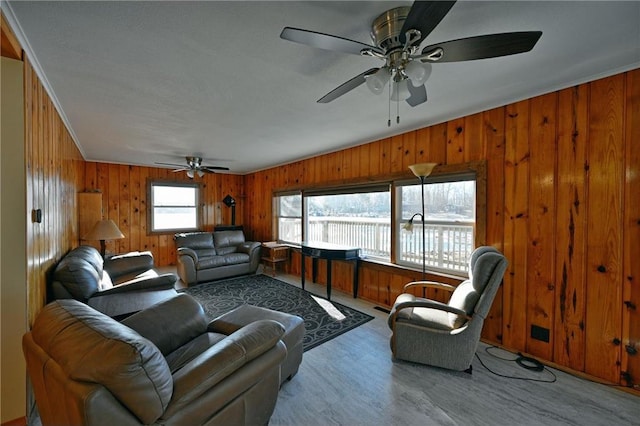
209,256
164,365
117,286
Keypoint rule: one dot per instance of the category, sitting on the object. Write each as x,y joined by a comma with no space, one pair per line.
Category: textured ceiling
146,82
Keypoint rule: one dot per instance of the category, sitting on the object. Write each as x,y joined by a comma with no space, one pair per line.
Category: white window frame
455,261
152,206
277,216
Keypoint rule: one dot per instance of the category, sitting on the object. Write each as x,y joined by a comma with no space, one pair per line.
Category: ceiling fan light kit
397,35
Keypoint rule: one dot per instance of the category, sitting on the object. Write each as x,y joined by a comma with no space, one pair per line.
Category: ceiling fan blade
325,41
418,94
485,46
425,16
346,87
211,169
169,164
182,169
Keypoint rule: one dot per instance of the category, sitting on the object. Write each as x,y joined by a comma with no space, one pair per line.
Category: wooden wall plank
494,144
516,179
604,250
571,227
474,143
631,280
455,141
541,245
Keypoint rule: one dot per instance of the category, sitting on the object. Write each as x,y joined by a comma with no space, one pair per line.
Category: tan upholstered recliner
164,365
447,334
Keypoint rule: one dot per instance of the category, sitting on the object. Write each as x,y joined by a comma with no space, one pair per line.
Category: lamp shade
400,91
105,229
422,169
418,72
378,80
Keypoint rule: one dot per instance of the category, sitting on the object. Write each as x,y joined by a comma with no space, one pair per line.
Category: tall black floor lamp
422,170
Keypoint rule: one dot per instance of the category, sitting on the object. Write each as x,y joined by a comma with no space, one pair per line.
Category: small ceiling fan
194,166
397,35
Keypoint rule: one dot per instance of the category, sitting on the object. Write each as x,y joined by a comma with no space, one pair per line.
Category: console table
329,252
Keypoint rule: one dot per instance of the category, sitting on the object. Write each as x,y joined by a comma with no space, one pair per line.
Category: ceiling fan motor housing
194,162
386,28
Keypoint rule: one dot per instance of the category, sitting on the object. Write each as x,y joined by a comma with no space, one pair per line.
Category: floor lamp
421,171
105,229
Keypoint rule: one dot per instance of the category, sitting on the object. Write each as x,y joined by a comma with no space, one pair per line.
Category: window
288,217
449,223
361,216
174,206
357,216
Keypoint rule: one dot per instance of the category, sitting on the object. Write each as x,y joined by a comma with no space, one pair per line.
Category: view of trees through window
362,218
449,224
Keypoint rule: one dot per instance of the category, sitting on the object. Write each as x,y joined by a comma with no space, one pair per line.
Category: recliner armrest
223,359
432,304
127,263
161,282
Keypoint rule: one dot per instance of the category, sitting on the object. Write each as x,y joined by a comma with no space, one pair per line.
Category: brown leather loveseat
164,365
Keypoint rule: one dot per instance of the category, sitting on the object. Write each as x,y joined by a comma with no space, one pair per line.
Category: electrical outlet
540,333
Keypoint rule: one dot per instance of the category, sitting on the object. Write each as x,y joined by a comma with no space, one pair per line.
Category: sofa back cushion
171,323
91,347
227,241
195,240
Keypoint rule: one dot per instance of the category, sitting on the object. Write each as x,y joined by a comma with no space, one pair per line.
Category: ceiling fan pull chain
389,98
397,109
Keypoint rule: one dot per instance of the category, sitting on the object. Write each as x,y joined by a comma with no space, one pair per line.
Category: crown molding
35,64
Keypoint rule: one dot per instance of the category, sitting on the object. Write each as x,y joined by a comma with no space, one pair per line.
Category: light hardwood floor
352,380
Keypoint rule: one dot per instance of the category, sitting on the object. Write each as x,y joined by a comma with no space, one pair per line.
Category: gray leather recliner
116,286
164,365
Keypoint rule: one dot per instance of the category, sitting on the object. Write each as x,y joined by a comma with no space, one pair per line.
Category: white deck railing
448,245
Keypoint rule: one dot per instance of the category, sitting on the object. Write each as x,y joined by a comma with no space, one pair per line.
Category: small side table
273,253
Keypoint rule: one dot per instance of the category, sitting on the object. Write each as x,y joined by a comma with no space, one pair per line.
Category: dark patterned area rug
323,319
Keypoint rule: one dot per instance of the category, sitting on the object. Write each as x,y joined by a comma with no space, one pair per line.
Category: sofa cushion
91,347
78,277
206,252
195,240
211,262
236,258
224,239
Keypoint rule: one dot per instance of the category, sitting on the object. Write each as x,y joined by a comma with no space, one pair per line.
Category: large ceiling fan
397,35
194,166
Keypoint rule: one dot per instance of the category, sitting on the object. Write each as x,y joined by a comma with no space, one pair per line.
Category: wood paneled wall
54,170
124,200
563,172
